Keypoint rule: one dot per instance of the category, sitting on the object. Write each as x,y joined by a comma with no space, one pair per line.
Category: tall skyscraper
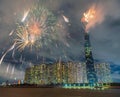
91,74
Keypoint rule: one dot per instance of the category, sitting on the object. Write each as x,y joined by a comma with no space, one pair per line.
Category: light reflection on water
56,92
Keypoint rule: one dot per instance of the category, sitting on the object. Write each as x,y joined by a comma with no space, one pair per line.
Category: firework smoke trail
11,48
7,69
13,69
13,53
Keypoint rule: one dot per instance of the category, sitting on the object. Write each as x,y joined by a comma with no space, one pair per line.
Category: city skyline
68,45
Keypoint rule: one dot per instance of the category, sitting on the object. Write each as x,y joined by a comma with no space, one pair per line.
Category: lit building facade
81,73
66,73
57,73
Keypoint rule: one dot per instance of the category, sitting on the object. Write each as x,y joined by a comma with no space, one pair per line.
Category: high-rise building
81,72
103,73
91,74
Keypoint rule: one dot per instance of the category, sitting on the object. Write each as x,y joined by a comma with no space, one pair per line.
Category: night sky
104,35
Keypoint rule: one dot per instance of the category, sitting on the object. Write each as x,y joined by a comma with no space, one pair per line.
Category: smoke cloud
105,33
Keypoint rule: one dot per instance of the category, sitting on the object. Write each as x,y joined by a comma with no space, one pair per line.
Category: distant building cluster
89,72
56,73
65,73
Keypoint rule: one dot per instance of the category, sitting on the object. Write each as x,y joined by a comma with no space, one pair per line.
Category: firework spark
89,18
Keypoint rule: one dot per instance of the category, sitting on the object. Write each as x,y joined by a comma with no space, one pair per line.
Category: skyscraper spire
91,75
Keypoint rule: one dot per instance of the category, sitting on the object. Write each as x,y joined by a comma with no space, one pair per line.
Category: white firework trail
11,48
11,33
13,53
65,19
25,15
2,58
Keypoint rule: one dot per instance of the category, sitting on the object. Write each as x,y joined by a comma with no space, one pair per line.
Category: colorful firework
36,28
89,17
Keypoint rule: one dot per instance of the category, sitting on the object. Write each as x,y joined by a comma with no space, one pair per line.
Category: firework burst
89,18
23,38
36,28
